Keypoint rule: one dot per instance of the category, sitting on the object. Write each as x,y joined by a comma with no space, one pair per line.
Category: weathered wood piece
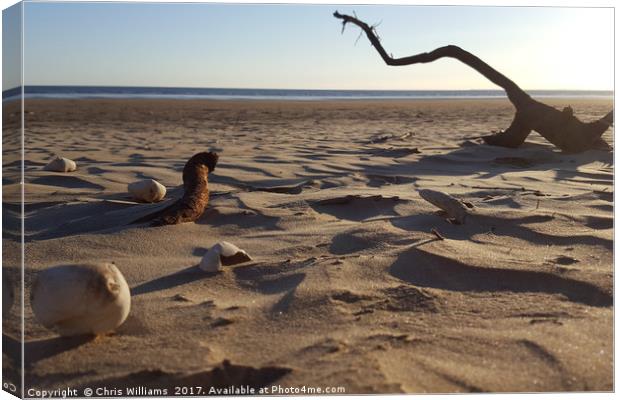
452,206
195,197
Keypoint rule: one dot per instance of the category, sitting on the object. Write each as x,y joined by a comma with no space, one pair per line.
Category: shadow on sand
187,275
426,269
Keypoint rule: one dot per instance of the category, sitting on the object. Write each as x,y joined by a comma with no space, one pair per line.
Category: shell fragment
223,253
61,164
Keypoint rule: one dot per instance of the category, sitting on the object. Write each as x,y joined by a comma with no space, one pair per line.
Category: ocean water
116,92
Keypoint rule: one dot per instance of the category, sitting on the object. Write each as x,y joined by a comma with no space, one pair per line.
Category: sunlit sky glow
300,46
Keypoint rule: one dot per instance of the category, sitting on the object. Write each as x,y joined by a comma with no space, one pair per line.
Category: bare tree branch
561,128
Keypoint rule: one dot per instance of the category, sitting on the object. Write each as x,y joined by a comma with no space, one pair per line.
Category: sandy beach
348,287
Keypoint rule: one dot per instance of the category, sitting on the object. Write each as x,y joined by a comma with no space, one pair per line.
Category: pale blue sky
300,46
11,46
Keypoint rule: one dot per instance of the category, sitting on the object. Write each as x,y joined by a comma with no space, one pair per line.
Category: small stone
61,164
180,297
147,190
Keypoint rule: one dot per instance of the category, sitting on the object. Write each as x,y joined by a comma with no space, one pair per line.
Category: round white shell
148,190
81,299
223,253
61,164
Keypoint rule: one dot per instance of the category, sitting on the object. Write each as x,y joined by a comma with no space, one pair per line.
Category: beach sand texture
348,286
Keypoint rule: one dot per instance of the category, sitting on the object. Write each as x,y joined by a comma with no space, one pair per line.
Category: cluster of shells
146,190
95,298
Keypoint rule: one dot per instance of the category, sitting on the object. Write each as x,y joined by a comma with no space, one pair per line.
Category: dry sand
348,286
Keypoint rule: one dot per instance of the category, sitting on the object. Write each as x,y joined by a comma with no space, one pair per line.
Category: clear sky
11,46
300,46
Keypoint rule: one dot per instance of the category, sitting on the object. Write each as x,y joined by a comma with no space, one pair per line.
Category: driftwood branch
561,128
195,197
452,206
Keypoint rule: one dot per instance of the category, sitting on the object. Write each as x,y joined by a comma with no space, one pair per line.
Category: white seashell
61,164
223,253
148,190
211,261
81,299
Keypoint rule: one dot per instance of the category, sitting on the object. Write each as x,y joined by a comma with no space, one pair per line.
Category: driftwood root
195,197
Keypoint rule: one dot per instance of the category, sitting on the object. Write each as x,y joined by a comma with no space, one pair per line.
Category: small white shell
223,253
61,164
81,299
148,190
211,261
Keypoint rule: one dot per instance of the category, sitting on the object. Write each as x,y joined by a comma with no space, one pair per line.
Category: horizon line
300,89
